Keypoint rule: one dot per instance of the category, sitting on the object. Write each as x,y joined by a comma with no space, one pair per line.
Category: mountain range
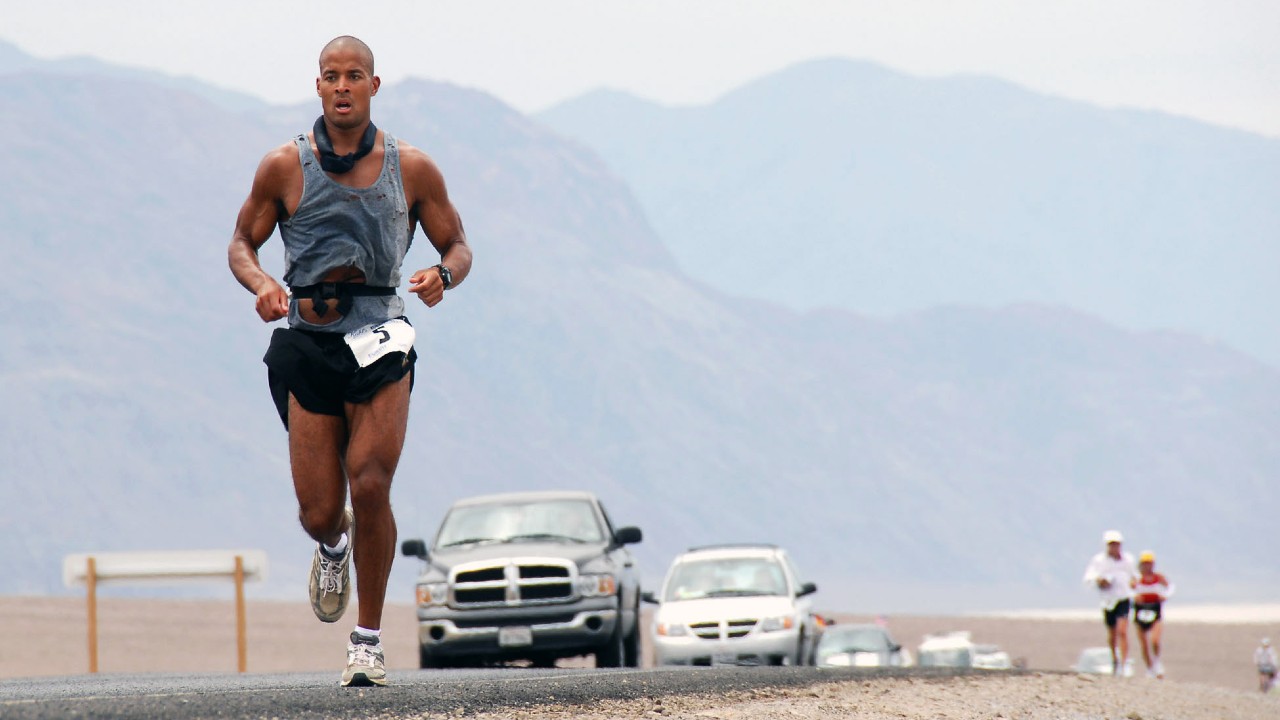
838,183
957,457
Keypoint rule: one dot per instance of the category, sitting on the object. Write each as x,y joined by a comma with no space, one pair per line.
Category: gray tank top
336,226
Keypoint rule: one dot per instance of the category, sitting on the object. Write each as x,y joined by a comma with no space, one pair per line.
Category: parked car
734,605
1097,661
533,576
860,646
991,657
952,649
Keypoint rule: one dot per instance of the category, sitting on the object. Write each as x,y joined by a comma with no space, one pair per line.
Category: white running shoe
330,585
365,665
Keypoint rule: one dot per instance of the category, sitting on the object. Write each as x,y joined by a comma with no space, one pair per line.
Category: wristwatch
446,275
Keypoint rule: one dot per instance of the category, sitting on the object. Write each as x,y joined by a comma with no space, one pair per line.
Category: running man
1264,658
1150,591
1113,573
347,198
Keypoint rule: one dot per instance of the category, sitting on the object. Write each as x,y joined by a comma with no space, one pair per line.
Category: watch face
446,275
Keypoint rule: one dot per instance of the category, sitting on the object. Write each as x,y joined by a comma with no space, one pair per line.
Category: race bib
372,342
1146,615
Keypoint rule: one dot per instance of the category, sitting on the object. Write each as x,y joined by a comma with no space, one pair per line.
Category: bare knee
370,488
322,523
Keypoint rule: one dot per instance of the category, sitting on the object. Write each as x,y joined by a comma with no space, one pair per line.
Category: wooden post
241,643
91,581
102,567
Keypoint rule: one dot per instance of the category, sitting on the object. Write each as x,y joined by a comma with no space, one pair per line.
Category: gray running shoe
330,584
365,666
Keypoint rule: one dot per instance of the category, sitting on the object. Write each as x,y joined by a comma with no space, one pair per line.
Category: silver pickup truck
533,576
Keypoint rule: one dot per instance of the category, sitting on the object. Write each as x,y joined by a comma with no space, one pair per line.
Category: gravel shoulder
1035,696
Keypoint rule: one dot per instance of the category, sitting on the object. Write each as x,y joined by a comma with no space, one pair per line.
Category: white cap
1111,536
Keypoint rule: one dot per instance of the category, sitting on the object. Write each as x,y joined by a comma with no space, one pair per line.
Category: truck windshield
572,521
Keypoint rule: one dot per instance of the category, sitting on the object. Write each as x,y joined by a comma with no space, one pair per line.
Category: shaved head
348,42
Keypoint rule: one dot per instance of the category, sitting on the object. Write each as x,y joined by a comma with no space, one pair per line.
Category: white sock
366,632
336,550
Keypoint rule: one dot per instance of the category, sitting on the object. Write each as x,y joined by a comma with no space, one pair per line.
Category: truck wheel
631,646
425,661
614,652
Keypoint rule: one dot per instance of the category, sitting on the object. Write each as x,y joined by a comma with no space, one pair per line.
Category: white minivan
734,605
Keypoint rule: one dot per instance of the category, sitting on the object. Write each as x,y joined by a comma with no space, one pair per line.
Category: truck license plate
724,658
515,636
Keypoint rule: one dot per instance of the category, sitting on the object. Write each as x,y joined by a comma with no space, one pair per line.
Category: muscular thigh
316,444
377,429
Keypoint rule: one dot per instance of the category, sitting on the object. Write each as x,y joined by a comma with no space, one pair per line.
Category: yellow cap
1147,556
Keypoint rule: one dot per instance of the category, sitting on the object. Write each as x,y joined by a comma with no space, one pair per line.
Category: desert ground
1209,665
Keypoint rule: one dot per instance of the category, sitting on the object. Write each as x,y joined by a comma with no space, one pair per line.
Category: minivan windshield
567,521
725,577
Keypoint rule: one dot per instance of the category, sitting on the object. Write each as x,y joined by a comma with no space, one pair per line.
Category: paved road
410,693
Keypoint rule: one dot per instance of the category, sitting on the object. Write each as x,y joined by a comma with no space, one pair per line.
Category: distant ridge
850,185
13,60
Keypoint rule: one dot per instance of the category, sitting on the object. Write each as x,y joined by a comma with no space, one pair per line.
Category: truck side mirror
807,589
414,548
627,535
649,597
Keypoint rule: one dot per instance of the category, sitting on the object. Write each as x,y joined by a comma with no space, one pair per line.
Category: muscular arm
430,205
254,225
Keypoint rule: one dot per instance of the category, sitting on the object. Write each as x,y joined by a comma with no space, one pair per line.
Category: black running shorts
1146,614
1121,610
320,371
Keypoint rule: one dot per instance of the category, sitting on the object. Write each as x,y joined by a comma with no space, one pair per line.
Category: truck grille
513,582
727,629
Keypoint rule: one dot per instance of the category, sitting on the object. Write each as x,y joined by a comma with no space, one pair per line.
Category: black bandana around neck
338,164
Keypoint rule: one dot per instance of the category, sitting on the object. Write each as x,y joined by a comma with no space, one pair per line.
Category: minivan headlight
773,624
672,629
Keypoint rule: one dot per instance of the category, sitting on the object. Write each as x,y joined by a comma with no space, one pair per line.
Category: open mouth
342,106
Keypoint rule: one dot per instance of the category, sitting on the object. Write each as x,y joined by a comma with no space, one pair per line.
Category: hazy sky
1217,60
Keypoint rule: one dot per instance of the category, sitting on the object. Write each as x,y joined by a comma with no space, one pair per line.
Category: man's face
345,87
1146,567
1113,549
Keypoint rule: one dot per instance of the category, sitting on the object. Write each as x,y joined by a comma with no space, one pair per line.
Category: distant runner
1265,659
1113,573
1150,591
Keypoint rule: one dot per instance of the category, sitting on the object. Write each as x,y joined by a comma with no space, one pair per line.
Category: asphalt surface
408,694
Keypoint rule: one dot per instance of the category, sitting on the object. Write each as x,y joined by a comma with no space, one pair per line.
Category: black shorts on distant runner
1146,615
1121,610
320,371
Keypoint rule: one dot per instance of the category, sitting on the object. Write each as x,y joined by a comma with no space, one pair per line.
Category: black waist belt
321,293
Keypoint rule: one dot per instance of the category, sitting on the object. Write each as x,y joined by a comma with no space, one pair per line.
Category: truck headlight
436,593
773,624
597,585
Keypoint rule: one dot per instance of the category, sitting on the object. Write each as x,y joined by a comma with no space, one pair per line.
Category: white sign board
164,565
